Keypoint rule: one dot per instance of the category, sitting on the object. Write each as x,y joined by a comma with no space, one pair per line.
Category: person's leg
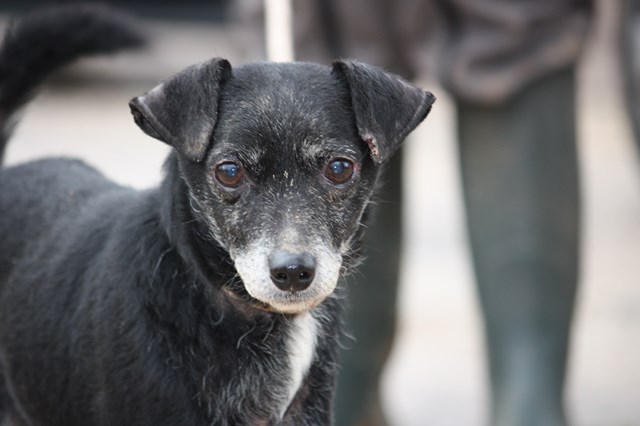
520,176
371,317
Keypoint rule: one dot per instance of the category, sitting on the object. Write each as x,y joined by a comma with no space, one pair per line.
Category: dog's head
281,160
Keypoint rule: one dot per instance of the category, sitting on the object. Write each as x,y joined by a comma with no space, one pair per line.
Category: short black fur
124,307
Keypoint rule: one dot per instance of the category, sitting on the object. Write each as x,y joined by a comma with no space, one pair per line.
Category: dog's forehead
280,97
302,77
268,108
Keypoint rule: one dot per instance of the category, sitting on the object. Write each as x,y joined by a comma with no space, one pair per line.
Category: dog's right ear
182,111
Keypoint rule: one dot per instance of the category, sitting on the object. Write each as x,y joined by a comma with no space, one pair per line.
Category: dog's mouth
288,281
292,303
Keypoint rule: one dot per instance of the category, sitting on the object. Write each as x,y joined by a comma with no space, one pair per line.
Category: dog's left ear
182,111
386,108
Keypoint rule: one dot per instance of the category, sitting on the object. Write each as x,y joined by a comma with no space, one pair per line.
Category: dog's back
32,49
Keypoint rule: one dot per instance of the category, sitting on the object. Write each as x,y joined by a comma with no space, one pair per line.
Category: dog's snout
292,271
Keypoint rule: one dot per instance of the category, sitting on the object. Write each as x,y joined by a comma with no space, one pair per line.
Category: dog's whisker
268,333
244,335
162,255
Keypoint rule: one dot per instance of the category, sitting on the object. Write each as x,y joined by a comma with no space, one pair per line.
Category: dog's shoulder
45,191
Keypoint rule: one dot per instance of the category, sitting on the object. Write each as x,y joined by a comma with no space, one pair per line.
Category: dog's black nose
292,271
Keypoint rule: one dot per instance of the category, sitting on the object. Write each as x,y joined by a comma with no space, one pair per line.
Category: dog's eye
229,174
339,171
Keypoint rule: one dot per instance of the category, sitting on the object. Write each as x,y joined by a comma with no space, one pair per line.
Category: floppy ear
183,110
386,108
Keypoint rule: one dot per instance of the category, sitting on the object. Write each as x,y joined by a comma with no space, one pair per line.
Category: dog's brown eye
339,171
230,174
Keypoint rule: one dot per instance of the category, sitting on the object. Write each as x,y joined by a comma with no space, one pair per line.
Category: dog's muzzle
286,279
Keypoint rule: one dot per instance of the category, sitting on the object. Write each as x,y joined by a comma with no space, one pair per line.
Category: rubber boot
371,315
520,177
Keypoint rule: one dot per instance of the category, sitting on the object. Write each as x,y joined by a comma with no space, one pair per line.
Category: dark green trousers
520,179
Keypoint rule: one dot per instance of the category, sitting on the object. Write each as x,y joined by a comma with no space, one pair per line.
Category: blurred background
436,373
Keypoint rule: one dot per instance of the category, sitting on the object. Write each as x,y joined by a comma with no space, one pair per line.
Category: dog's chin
294,304
289,303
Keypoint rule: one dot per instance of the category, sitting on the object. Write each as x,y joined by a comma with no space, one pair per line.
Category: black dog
210,300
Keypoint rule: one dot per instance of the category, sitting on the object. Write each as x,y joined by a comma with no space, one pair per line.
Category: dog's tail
44,41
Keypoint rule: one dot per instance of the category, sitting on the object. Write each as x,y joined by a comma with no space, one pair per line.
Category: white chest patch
301,349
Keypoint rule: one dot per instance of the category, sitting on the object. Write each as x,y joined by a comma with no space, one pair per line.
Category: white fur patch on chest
301,349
